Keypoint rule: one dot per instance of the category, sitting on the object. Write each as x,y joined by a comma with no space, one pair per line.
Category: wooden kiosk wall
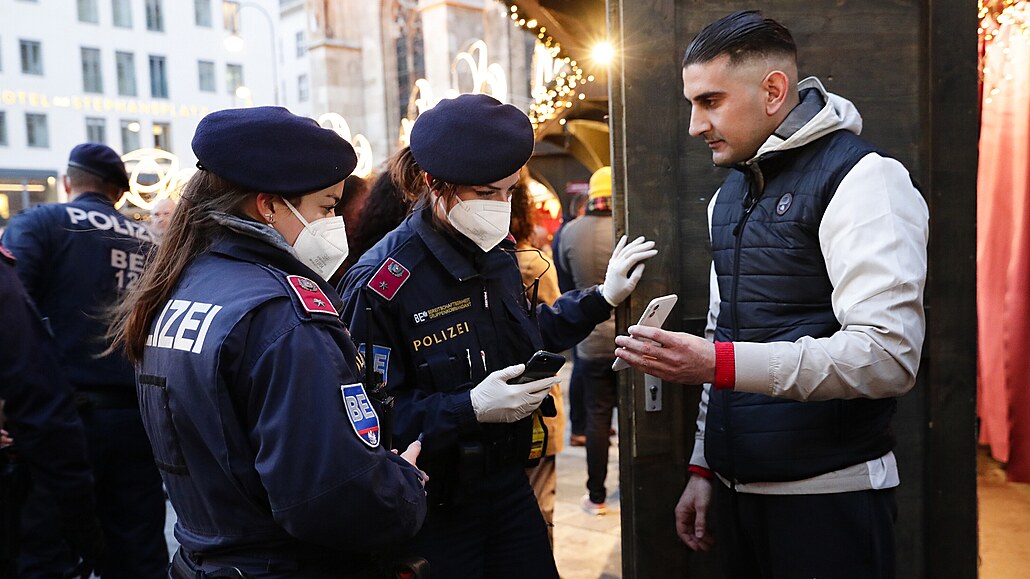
910,67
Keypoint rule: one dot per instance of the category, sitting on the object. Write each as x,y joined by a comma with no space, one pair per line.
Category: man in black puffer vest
815,323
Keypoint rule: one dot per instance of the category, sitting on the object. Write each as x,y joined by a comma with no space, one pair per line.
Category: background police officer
46,429
76,259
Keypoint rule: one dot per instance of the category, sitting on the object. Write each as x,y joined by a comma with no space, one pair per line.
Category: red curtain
1003,245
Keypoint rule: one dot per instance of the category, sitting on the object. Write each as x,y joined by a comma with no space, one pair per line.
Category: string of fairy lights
561,90
996,17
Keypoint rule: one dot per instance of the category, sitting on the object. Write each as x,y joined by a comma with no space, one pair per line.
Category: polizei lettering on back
183,325
441,336
105,222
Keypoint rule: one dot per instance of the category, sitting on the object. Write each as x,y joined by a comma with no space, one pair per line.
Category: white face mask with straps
322,244
483,221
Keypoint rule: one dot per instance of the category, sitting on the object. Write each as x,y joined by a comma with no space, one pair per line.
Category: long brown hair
406,173
191,231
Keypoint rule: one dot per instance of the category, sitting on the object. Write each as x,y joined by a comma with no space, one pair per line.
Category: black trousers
130,505
496,532
601,397
827,536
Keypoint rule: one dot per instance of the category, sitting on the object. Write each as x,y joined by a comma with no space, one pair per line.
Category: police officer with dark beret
77,260
248,381
451,324
37,410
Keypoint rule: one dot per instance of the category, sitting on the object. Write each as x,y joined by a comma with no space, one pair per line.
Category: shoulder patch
361,414
389,278
311,296
7,255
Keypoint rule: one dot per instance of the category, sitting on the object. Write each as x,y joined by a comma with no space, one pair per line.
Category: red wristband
701,471
725,366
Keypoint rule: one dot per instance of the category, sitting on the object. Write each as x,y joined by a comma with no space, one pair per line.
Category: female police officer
443,300
247,379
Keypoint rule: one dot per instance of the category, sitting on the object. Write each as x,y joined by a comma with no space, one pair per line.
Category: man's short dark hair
81,180
742,35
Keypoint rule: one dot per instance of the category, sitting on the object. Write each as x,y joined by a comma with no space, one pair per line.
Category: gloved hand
494,400
618,283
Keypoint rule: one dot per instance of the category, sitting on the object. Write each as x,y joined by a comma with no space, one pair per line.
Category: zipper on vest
754,181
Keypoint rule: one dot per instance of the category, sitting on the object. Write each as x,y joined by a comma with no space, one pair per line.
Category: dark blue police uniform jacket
444,314
250,393
38,401
75,259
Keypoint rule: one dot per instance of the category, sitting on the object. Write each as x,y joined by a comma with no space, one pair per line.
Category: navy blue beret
271,150
473,139
99,160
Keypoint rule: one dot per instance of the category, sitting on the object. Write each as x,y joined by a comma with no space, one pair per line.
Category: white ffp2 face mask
483,221
322,244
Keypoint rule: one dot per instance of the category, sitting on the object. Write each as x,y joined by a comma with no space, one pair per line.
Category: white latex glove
618,283
494,400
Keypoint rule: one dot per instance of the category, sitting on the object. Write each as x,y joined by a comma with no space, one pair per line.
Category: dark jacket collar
455,253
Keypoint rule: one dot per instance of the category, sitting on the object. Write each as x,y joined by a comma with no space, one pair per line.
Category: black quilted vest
774,287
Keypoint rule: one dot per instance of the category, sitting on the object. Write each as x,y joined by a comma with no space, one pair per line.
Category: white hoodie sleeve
873,238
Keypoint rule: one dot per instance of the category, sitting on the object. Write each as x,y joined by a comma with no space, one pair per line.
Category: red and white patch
389,278
10,256
311,296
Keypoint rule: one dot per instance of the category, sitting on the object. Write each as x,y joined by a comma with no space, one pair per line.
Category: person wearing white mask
442,303
248,382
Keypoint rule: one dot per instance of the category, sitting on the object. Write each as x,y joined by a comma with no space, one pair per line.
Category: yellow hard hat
601,183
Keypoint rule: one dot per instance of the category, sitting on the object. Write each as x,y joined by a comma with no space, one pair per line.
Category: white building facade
128,73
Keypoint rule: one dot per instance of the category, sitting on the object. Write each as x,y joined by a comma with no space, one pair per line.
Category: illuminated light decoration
1014,14
555,75
361,145
487,78
163,165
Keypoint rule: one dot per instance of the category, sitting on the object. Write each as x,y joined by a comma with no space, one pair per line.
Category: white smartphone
654,316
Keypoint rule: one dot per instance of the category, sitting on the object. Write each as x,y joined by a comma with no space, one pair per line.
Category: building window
122,12
130,136
409,51
301,48
125,63
202,13
158,77
155,16
302,88
36,130
3,128
31,57
88,11
163,136
233,77
92,80
206,75
96,130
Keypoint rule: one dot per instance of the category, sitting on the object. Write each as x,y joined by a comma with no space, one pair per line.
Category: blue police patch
784,203
361,414
380,359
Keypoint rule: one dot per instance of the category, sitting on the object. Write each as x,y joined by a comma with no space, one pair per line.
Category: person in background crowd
577,409
585,247
388,203
451,324
160,217
77,260
41,418
248,380
539,277
352,207
816,314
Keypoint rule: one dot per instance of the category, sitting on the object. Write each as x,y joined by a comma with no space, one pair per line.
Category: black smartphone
541,365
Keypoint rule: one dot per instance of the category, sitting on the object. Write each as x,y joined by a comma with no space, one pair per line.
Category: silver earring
271,218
